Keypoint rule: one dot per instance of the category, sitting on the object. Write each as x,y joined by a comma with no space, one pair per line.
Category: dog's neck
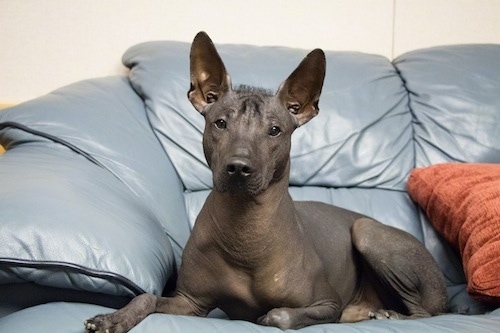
249,229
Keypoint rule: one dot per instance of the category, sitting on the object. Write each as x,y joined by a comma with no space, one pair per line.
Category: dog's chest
249,296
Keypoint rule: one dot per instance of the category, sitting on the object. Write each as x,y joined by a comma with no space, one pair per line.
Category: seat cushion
376,203
69,318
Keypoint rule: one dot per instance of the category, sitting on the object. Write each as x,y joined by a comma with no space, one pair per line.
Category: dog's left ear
300,92
209,78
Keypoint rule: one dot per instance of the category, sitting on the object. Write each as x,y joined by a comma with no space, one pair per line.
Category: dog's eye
220,124
274,131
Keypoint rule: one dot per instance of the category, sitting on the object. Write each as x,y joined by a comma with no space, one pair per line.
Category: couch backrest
454,96
362,136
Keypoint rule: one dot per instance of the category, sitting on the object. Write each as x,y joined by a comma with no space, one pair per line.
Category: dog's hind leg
405,276
321,312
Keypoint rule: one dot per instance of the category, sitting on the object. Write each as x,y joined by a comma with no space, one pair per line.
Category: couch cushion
455,100
68,317
68,223
361,137
377,203
463,202
83,197
105,120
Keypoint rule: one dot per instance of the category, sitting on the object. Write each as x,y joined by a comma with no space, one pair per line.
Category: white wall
45,44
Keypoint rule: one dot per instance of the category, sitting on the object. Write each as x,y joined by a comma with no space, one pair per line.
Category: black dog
258,255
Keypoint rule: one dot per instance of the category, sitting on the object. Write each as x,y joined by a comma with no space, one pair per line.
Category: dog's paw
107,323
280,317
383,314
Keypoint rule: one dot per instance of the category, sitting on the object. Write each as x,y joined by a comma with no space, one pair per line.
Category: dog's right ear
209,78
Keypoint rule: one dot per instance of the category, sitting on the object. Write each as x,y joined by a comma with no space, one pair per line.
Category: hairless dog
262,257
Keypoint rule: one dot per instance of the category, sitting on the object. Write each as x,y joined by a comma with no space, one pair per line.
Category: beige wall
45,44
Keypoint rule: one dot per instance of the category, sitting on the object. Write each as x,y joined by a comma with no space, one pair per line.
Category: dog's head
248,130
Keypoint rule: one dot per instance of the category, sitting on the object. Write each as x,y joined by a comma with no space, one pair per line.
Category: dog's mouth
239,185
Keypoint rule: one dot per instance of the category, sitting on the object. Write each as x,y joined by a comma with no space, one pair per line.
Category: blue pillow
84,193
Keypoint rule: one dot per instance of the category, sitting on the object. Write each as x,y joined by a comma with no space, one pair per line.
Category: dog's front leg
326,311
139,308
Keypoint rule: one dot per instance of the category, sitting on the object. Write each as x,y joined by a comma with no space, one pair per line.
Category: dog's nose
239,167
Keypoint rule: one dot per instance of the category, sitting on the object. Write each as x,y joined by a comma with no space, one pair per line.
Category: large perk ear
300,92
209,79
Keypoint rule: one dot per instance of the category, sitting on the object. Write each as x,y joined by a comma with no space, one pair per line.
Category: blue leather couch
102,180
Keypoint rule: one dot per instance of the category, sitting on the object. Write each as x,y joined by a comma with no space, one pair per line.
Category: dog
258,255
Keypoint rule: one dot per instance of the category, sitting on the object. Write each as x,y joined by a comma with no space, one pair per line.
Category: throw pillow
462,201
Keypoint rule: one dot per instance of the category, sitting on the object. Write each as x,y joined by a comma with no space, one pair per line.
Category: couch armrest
89,199
105,120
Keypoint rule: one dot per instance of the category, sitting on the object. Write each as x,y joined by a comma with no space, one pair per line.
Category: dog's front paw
107,323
